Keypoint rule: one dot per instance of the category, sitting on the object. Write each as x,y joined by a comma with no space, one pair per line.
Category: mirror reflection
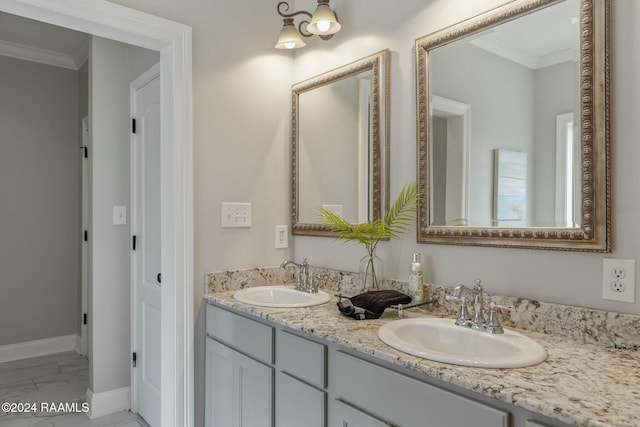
340,144
513,135
334,147
503,114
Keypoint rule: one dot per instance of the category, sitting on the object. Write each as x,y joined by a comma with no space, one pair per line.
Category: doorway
173,41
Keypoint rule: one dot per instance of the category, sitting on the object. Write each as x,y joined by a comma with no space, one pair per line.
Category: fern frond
397,220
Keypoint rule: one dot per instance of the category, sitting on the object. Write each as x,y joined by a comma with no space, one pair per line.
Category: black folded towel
371,305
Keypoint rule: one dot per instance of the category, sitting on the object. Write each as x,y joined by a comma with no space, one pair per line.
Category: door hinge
84,319
85,151
134,358
134,242
133,125
86,236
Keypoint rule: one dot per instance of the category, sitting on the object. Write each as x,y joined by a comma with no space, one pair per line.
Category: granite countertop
580,384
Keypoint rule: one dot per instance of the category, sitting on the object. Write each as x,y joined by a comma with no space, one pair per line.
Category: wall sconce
323,23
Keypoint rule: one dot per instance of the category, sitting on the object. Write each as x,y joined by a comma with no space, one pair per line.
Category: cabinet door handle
159,277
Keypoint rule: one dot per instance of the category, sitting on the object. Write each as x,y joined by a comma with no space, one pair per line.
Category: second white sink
443,341
280,296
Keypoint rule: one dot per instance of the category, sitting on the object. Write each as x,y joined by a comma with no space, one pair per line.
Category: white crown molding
41,56
507,51
81,54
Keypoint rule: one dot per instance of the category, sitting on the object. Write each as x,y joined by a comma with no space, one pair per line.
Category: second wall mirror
513,128
340,145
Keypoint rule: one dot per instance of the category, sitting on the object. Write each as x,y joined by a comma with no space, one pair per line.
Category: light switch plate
334,209
119,215
282,237
236,215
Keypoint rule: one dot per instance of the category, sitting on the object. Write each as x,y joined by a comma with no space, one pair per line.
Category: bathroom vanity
313,367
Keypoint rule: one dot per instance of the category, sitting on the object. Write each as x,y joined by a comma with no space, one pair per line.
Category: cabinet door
299,404
343,415
218,384
404,400
239,390
253,390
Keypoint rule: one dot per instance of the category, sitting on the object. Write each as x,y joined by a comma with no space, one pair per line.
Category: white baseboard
25,350
108,402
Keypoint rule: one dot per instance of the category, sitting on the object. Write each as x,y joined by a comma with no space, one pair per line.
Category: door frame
84,249
173,41
137,83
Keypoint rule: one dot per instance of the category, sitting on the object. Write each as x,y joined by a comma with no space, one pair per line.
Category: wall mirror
340,144
513,128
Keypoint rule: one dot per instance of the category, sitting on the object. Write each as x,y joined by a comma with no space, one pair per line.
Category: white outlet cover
626,282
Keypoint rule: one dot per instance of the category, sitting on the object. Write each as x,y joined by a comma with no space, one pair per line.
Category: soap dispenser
415,278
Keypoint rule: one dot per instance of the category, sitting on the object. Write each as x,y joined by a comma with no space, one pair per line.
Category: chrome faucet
304,277
476,321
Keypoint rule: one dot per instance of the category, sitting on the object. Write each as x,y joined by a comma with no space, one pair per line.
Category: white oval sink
280,296
443,341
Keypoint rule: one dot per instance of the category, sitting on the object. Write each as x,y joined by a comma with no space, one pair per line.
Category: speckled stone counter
581,383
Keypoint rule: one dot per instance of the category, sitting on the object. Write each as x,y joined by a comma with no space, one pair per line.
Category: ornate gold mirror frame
377,67
594,231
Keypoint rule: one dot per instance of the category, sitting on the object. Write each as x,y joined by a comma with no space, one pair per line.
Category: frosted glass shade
323,21
289,38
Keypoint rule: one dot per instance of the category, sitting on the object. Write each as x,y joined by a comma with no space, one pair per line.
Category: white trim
78,345
108,402
445,107
25,350
173,40
41,56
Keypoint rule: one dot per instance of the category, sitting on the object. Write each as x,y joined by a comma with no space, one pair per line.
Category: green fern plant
395,222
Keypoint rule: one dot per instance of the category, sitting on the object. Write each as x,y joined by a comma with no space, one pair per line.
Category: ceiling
36,41
540,39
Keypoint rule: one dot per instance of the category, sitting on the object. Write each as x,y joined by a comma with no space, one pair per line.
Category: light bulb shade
289,38
323,21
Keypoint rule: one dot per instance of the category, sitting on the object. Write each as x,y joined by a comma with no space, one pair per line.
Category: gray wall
39,201
113,66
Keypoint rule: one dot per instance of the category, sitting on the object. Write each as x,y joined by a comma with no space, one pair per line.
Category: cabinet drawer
341,414
299,404
405,401
302,358
250,337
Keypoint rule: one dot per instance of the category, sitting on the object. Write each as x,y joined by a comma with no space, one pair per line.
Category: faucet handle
493,323
464,316
478,287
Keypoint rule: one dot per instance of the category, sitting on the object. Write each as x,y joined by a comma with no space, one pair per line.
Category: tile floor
62,377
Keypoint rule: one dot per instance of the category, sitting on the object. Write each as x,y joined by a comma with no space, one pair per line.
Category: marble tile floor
48,380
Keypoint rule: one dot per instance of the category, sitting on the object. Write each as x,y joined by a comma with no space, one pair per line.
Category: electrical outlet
236,215
619,279
282,237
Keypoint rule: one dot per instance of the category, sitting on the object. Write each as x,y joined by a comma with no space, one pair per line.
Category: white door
145,227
